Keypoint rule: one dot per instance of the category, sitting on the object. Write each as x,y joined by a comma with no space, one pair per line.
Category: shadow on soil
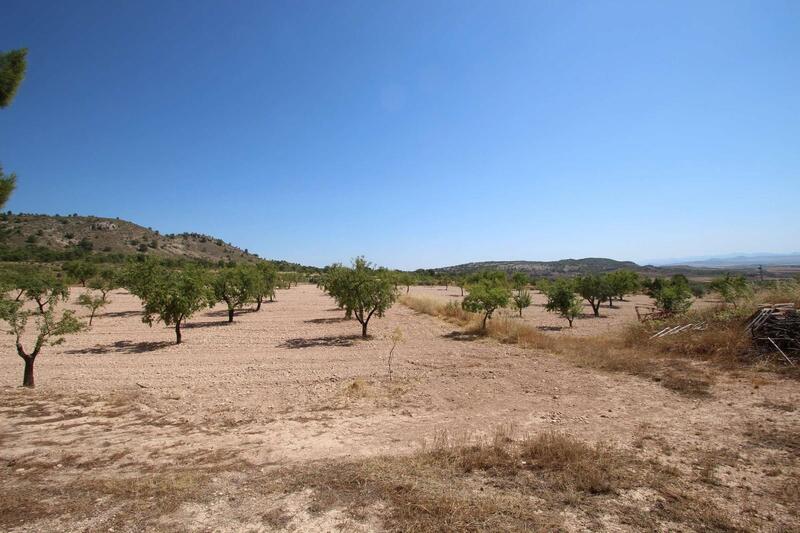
326,320
462,336
224,312
123,347
205,324
120,314
344,340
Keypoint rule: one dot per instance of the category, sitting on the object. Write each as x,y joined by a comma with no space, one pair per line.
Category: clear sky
418,133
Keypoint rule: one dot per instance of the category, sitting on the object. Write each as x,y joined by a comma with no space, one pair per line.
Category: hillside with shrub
49,238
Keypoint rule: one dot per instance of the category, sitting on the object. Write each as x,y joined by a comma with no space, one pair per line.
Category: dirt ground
295,384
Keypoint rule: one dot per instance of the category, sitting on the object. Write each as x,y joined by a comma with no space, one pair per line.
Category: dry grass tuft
497,483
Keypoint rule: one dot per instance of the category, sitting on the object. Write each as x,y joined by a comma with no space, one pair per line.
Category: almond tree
267,283
235,286
594,289
562,299
485,296
50,330
92,303
43,288
175,296
361,290
521,300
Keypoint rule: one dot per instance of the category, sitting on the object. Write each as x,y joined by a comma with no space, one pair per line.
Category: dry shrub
359,388
450,311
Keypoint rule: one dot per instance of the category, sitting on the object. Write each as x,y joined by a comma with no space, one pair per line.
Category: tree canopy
361,290
486,295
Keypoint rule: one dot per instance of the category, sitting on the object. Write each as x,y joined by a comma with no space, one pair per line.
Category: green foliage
92,303
486,294
561,299
236,286
731,288
594,289
12,72
673,295
42,287
7,184
623,282
266,283
49,330
361,290
80,271
175,295
520,280
105,281
521,300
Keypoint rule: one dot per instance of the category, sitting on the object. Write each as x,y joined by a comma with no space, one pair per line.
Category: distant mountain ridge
594,265
739,260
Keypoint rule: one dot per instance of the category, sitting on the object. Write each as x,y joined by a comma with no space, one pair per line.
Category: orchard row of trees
489,291
29,298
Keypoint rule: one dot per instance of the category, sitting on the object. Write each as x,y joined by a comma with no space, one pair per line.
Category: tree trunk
27,377
230,315
364,329
570,322
258,305
408,288
483,325
462,291
596,307
178,332
91,317
611,302
520,312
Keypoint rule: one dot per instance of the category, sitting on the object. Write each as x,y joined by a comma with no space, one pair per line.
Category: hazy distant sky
420,134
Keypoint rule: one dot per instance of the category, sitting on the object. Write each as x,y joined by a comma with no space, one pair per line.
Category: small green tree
730,288
672,296
485,296
594,289
80,271
520,280
105,281
562,299
175,296
266,283
621,283
43,288
361,290
236,286
521,300
92,303
50,330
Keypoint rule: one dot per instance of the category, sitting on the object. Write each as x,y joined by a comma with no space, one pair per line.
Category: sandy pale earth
295,383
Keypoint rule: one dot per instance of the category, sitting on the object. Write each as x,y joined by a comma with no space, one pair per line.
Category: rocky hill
33,236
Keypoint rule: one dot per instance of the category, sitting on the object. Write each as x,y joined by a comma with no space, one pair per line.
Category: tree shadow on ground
205,324
119,314
123,347
462,336
326,320
224,312
339,341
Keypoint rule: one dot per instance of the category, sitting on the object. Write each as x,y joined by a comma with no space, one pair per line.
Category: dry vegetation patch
549,481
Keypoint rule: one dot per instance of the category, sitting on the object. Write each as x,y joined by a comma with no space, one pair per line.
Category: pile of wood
674,330
777,327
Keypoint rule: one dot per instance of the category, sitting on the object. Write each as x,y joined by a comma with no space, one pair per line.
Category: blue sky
420,134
